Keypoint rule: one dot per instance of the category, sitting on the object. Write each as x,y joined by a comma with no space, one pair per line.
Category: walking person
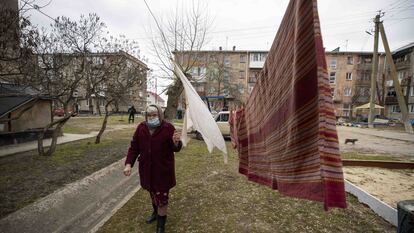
154,143
131,112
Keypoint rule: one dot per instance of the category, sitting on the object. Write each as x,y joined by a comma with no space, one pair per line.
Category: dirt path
390,186
376,141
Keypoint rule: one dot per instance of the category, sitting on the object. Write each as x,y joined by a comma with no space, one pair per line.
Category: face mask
154,122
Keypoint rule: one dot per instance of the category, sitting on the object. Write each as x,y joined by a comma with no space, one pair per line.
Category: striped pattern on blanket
286,135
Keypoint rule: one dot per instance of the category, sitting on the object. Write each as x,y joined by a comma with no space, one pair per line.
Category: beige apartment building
226,77
349,77
350,80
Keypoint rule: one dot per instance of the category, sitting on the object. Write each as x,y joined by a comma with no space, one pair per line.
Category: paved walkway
27,146
67,137
82,206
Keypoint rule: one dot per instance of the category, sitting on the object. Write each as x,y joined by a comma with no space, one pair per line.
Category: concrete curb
379,207
82,206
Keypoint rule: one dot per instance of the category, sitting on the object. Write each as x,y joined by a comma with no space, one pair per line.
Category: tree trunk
98,108
59,124
105,121
173,93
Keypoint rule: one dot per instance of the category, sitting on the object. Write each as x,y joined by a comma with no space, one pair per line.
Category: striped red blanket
286,135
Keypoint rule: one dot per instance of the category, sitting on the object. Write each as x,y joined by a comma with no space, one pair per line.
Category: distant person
132,111
154,143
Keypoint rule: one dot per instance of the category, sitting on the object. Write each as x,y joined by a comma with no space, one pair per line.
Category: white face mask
154,122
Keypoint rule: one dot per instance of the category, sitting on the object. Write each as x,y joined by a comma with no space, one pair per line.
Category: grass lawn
85,125
211,196
26,177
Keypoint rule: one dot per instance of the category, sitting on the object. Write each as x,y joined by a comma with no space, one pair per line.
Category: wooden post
400,96
374,75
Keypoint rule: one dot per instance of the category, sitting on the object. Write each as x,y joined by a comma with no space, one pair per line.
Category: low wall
23,136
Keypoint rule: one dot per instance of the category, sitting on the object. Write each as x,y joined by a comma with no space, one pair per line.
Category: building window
348,76
242,74
241,88
333,92
332,77
367,60
242,58
401,75
404,91
411,108
87,102
412,91
391,92
333,63
200,88
258,57
226,60
347,91
252,78
350,60
251,89
226,76
395,109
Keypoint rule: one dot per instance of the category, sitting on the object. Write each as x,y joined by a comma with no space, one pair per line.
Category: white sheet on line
199,117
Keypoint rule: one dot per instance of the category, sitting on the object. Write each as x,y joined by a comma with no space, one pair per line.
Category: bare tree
16,42
217,73
181,36
121,76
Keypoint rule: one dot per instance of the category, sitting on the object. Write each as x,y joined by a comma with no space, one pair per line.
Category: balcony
256,64
362,99
402,64
391,100
362,82
364,66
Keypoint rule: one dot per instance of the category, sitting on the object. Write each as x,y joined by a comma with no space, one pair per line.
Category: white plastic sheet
199,117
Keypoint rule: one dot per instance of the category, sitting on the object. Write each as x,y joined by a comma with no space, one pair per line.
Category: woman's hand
127,170
176,137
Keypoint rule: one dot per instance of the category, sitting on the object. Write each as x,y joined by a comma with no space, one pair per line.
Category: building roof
159,99
103,54
408,46
11,103
13,96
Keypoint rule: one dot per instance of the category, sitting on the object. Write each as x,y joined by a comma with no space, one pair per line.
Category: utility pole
374,74
400,97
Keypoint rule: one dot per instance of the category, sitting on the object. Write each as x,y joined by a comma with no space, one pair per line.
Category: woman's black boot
161,223
153,216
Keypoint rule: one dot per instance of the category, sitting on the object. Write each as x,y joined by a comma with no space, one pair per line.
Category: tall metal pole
374,75
398,90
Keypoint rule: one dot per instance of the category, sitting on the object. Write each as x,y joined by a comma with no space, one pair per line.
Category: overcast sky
246,24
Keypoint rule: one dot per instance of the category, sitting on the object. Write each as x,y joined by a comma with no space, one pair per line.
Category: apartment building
350,80
404,63
236,73
90,95
227,75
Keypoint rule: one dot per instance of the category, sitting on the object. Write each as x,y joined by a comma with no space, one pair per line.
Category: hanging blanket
286,135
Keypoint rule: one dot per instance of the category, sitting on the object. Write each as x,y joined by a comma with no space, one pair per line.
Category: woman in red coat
154,143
